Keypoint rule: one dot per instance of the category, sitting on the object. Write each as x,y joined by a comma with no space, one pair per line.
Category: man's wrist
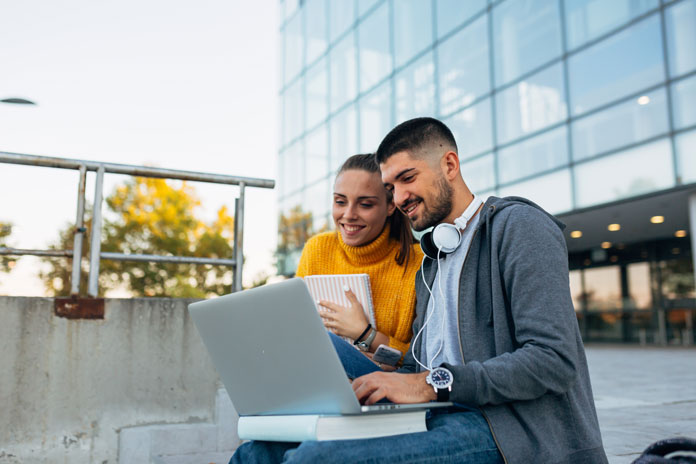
428,390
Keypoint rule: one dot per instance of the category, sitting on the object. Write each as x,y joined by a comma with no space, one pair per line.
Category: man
499,323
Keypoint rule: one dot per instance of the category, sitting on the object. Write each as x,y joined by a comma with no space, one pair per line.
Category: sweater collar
373,252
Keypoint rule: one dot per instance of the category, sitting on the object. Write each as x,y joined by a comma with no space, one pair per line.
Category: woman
371,237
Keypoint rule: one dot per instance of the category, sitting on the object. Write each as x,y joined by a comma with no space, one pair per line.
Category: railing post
239,237
95,247
79,234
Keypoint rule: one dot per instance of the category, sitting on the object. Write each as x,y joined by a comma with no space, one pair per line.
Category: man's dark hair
413,135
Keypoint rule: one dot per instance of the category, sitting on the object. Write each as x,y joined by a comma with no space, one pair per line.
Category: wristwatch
364,345
441,380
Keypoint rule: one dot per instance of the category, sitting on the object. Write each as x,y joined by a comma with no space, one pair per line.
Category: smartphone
386,355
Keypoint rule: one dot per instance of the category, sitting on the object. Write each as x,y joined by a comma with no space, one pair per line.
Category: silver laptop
274,356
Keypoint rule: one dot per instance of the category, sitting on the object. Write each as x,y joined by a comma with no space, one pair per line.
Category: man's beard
440,209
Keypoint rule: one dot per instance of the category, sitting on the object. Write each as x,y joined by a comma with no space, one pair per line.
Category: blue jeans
455,435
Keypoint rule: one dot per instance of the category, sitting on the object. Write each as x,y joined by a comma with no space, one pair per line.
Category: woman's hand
346,321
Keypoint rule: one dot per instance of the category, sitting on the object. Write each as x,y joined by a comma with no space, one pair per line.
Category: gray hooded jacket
525,365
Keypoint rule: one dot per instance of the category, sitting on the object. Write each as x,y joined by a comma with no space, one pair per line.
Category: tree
151,216
5,263
294,229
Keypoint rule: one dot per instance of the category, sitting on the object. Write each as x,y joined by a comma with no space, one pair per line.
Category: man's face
420,189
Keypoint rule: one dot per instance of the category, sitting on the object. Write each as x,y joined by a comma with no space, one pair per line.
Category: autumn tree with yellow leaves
153,216
6,263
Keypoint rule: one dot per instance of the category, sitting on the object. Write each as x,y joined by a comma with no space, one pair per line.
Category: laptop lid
272,352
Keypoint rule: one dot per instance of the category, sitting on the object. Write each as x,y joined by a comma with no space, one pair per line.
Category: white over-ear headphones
445,238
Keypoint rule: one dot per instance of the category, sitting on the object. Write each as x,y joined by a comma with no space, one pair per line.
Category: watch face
441,377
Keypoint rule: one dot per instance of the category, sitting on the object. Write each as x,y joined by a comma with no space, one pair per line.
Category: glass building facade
587,107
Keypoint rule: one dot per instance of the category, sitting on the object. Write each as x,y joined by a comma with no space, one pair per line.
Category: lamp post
17,101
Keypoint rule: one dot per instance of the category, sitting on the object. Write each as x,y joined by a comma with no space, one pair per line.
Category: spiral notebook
330,288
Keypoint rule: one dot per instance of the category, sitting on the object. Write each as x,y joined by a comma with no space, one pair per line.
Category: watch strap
443,394
365,344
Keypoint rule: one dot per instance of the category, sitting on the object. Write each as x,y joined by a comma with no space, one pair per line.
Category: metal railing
140,171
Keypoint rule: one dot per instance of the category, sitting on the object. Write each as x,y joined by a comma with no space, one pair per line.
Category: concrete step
199,443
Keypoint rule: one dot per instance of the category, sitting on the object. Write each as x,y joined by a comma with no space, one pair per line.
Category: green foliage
150,216
6,263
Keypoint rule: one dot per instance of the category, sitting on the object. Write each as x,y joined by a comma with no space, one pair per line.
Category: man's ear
450,165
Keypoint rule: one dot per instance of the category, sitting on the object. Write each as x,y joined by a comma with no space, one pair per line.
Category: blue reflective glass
343,136
686,152
318,200
464,71
684,102
341,17
541,153
551,191
365,5
472,129
343,72
479,173
293,48
290,7
680,20
589,19
293,164
293,111
527,34
626,123
633,172
375,49
413,28
315,12
621,65
375,117
452,13
317,89
532,104
316,154
415,89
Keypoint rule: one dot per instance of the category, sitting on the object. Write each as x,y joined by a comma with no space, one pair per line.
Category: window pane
452,13
316,22
364,5
479,173
464,69
472,129
293,108
317,199
686,154
551,192
344,136
681,37
683,99
527,34
341,17
415,90
575,279
317,157
375,117
531,105
603,288
639,284
294,47
588,19
375,52
623,124
413,30
623,64
540,153
317,93
626,174
343,72
293,168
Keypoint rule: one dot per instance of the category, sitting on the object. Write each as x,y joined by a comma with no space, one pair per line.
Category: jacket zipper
461,351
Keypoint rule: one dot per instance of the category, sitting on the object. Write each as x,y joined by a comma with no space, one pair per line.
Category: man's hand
397,388
345,321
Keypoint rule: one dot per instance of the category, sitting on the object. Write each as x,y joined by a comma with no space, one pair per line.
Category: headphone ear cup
446,238
427,245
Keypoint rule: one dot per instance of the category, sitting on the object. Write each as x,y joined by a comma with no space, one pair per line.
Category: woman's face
360,207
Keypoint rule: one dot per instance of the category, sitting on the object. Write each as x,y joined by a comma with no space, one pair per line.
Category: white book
297,428
330,288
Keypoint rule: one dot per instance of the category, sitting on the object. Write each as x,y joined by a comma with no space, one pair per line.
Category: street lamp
17,101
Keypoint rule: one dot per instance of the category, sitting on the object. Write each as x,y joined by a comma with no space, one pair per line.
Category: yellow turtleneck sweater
393,290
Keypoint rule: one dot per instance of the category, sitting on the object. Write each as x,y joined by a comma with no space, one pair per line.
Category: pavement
642,394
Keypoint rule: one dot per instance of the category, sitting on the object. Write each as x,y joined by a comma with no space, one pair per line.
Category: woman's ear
391,206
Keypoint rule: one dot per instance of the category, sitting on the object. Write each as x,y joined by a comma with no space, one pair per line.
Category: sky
169,83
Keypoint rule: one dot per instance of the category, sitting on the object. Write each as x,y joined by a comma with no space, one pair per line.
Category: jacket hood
494,205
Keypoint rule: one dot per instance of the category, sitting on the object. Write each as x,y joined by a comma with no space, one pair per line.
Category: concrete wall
67,387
